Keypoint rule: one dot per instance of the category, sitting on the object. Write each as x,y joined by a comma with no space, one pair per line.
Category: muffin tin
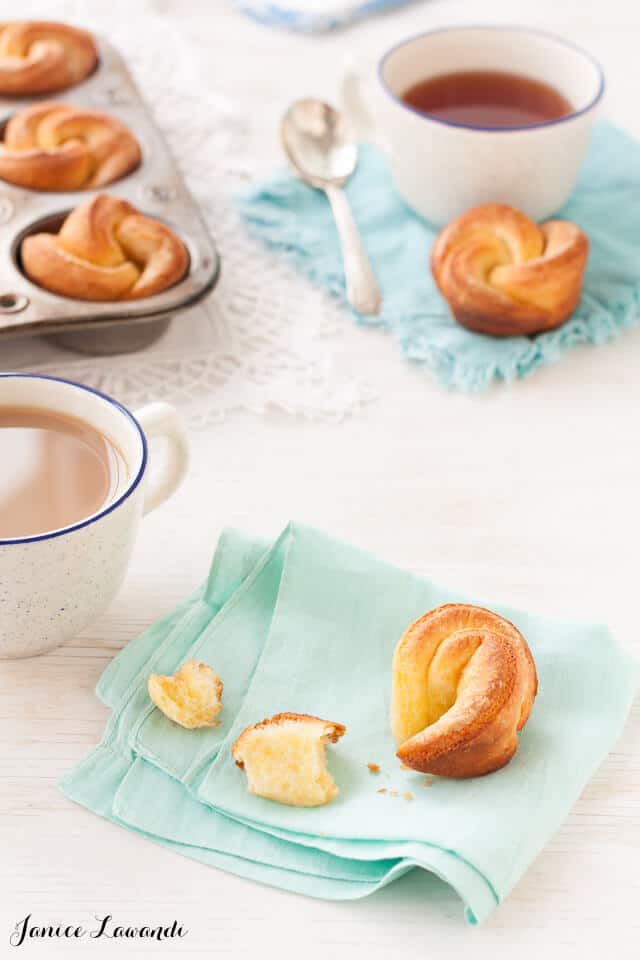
156,188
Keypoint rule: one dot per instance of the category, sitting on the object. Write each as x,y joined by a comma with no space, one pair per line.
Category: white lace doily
263,339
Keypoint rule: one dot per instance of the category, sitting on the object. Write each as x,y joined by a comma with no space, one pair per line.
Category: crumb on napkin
285,760
191,697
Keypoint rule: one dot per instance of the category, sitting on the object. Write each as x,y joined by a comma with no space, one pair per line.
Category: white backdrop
528,493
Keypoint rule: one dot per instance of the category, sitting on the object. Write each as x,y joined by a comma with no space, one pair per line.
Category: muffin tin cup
156,188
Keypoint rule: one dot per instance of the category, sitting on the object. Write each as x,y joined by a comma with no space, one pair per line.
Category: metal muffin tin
156,188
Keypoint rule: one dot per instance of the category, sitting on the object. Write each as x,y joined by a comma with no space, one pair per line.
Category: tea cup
53,584
441,168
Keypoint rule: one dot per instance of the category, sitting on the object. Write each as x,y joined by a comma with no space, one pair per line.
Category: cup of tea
74,481
482,114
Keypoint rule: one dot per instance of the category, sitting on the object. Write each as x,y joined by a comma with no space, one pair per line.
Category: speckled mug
53,584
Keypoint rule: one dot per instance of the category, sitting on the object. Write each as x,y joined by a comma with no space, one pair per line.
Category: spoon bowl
316,141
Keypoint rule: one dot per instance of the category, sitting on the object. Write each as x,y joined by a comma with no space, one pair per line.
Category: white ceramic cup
441,168
53,584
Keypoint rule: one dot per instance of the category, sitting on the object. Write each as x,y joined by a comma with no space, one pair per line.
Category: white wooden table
528,493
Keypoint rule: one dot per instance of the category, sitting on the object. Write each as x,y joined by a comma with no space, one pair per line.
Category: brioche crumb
394,793
285,760
427,782
373,767
403,766
192,696
382,790
408,796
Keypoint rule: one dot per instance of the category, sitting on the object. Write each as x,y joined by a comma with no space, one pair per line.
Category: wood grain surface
528,493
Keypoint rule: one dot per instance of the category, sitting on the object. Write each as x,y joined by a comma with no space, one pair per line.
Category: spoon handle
363,291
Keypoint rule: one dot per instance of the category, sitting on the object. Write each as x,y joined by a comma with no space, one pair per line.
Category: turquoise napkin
296,220
309,624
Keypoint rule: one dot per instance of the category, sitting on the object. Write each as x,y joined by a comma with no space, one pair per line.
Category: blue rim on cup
494,28
113,505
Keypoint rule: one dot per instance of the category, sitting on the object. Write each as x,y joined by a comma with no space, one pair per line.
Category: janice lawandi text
105,928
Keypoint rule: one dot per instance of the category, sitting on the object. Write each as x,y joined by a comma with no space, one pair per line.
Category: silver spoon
317,144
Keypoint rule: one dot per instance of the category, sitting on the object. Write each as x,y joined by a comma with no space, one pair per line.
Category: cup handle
359,101
353,102
162,420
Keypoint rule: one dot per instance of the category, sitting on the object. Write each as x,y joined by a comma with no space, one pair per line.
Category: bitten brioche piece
503,275
191,697
54,146
463,685
285,759
38,56
106,250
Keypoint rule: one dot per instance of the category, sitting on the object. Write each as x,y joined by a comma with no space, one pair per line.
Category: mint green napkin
309,625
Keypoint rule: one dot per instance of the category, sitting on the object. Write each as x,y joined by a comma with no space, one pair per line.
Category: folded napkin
314,16
296,220
309,625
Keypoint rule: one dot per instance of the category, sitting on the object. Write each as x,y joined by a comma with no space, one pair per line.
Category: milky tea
55,471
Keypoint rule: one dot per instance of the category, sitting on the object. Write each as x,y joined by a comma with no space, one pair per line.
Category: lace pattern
264,338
